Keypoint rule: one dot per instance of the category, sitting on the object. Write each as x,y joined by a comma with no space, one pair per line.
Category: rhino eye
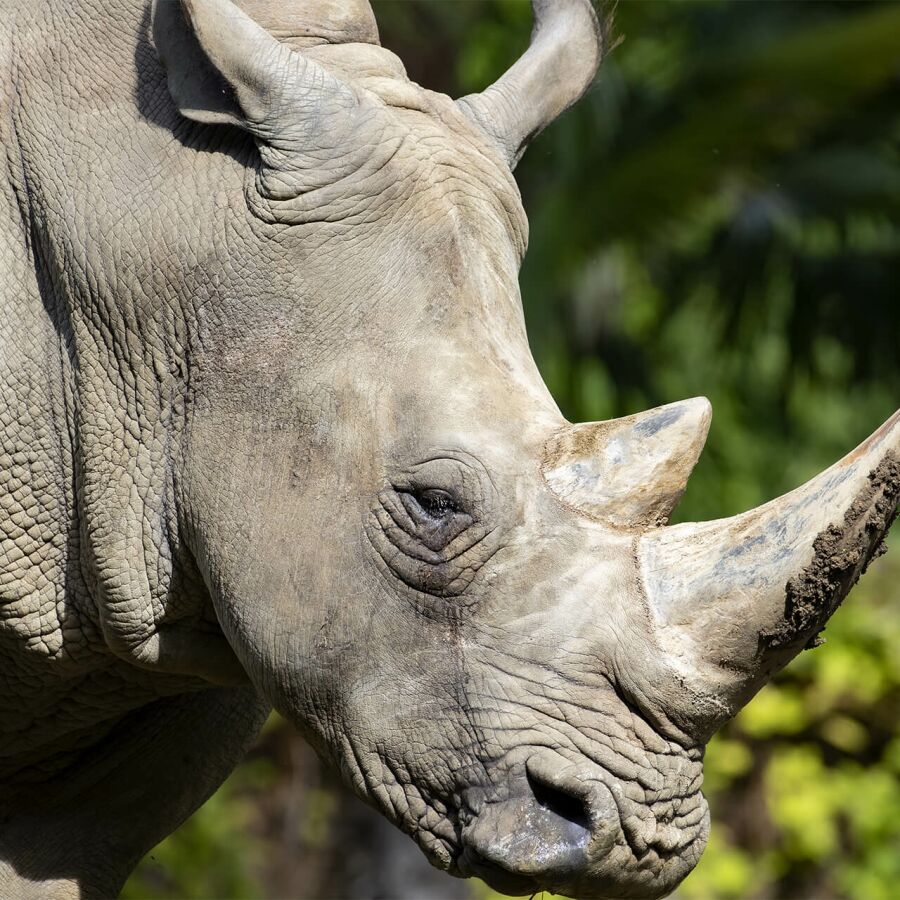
436,503
434,524
436,514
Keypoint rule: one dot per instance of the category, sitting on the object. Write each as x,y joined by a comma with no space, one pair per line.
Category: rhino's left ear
225,68
565,51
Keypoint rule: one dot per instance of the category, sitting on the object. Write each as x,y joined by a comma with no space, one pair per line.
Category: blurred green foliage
720,215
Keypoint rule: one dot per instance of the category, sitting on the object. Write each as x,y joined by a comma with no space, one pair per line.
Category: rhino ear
225,68
631,472
565,51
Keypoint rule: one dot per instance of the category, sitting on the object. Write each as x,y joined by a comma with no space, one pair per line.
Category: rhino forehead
431,178
443,140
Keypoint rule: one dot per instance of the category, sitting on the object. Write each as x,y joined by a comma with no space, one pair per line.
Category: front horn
565,51
631,472
732,601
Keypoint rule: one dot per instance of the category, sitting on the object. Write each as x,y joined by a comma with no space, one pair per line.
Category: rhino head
473,608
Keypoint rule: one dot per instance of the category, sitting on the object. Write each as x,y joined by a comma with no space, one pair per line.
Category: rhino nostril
559,801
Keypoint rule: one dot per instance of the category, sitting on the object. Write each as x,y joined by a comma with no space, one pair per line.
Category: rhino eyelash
436,503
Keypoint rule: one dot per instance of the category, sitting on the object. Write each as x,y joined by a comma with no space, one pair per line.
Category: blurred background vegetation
720,215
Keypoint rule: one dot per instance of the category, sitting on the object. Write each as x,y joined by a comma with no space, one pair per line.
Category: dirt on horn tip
841,554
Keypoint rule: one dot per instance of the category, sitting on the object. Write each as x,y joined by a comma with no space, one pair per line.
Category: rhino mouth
519,848
538,839
568,828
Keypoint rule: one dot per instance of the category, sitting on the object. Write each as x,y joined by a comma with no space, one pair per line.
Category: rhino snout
557,822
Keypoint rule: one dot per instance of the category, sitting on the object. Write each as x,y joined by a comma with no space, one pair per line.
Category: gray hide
270,428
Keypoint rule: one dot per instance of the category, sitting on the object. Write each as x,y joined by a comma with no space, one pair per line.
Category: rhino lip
520,846
545,835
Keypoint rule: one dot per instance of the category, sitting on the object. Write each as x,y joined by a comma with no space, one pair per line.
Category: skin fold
271,435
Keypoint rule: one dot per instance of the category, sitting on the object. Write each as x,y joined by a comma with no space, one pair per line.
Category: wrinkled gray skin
270,428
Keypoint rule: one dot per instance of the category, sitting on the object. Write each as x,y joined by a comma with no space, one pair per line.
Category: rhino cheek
368,678
405,746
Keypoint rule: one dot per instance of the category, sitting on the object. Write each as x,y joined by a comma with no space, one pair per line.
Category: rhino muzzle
729,603
567,828
545,836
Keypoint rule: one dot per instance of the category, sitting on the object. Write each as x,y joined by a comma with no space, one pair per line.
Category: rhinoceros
271,435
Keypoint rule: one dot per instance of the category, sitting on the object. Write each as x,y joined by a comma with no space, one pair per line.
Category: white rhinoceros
271,433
